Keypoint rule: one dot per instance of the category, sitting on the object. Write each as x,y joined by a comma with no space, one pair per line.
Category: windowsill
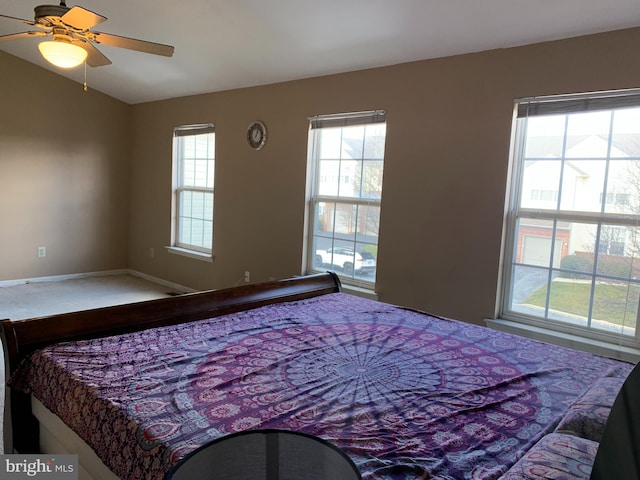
576,342
359,292
205,257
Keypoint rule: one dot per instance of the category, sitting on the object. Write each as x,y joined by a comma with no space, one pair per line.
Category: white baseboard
125,271
60,278
173,286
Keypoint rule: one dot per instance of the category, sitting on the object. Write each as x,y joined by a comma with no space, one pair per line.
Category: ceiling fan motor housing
44,11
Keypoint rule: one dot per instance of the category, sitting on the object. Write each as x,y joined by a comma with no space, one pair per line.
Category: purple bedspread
405,394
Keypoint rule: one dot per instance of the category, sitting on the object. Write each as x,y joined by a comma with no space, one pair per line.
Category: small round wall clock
257,135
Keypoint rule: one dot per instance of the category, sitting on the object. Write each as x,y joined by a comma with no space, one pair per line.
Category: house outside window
572,262
193,188
346,164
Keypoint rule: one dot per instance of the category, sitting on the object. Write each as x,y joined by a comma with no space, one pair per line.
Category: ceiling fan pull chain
84,85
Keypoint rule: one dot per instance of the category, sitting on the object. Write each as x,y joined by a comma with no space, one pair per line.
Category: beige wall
64,171
446,163
447,155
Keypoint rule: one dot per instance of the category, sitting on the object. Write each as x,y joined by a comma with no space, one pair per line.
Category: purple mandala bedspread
405,394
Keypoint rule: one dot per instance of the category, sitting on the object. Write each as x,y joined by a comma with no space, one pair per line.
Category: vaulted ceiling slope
224,44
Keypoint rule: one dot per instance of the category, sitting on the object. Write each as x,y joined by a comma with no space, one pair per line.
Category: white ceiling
226,44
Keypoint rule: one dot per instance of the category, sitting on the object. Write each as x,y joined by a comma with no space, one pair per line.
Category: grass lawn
610,301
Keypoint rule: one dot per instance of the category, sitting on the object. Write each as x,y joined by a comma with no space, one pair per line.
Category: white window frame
561,105
203,184
358,202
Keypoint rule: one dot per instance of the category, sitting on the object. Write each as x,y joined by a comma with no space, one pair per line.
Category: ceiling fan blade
95,58
131,44
28,22
81,18
18,36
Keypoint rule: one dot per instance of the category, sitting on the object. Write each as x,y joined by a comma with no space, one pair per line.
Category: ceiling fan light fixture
62,54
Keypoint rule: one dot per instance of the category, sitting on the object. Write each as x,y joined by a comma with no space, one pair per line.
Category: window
193,181
346,154
572,262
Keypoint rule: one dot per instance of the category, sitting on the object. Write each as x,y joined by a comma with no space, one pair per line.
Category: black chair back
266,455
618,456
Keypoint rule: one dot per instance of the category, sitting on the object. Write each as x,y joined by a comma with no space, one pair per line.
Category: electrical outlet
247,276
42,252
151,252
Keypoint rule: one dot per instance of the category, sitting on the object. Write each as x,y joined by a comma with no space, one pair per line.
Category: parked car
348,260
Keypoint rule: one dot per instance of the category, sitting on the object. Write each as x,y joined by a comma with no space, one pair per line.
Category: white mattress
56,437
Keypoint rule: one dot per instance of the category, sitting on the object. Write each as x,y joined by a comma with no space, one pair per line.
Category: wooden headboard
22,337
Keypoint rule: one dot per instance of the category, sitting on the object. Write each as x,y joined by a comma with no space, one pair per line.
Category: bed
405,394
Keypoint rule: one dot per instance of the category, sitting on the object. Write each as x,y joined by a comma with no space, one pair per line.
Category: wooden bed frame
22,337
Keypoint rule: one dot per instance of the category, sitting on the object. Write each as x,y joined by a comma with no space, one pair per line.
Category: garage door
537,251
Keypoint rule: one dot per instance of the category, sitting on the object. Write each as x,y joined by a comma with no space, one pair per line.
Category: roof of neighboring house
626,145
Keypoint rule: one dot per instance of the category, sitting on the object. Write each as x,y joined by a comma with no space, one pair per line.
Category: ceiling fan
72,40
